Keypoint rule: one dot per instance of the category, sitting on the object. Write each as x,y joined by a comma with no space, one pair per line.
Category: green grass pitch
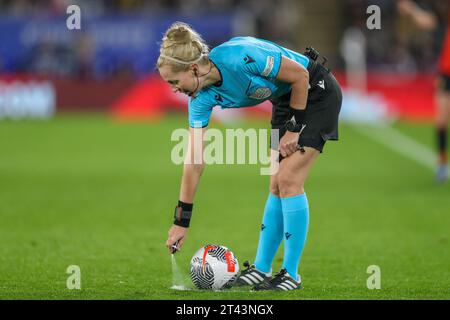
88,191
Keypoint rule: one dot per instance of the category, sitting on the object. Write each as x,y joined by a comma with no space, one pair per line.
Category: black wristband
299,115
183,213
296,120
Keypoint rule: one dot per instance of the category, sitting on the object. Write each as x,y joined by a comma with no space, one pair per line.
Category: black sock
442,144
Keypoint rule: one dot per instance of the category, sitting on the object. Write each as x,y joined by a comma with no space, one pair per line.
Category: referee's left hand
289,143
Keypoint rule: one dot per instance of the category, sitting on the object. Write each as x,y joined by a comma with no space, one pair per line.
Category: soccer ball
213,267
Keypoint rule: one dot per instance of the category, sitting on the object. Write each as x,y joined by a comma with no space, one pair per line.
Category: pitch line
400,143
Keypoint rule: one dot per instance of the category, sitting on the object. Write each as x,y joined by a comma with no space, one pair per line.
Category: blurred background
108,65
85,142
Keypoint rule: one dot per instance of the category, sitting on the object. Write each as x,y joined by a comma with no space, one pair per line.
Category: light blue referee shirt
248,67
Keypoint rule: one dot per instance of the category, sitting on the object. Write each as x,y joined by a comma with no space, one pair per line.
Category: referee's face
183,81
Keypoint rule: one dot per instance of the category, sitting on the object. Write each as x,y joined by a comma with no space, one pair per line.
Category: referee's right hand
289,143
176,233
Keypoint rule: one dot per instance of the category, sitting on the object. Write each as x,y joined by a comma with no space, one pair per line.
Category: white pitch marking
400,143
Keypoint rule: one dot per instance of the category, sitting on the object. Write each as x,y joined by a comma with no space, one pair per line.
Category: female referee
245,71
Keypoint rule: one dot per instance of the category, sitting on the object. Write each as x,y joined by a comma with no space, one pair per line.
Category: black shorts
322,109
444,82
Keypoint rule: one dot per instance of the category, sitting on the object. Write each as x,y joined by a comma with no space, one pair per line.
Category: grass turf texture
86,191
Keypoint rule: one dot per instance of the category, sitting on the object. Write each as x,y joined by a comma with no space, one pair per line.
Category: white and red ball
213,267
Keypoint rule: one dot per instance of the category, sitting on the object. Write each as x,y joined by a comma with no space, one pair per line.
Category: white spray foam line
184,288
180,288
178,282
400,143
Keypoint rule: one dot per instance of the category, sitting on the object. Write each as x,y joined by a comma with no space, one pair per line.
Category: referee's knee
288,187
274,190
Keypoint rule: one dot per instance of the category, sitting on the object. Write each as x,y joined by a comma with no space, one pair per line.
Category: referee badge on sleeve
269,66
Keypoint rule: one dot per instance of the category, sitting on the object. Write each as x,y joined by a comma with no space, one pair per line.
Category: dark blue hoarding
104,45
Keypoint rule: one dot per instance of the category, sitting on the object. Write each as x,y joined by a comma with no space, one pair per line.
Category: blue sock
295,221
271,234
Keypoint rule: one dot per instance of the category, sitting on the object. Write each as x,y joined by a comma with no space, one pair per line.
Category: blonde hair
182,46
